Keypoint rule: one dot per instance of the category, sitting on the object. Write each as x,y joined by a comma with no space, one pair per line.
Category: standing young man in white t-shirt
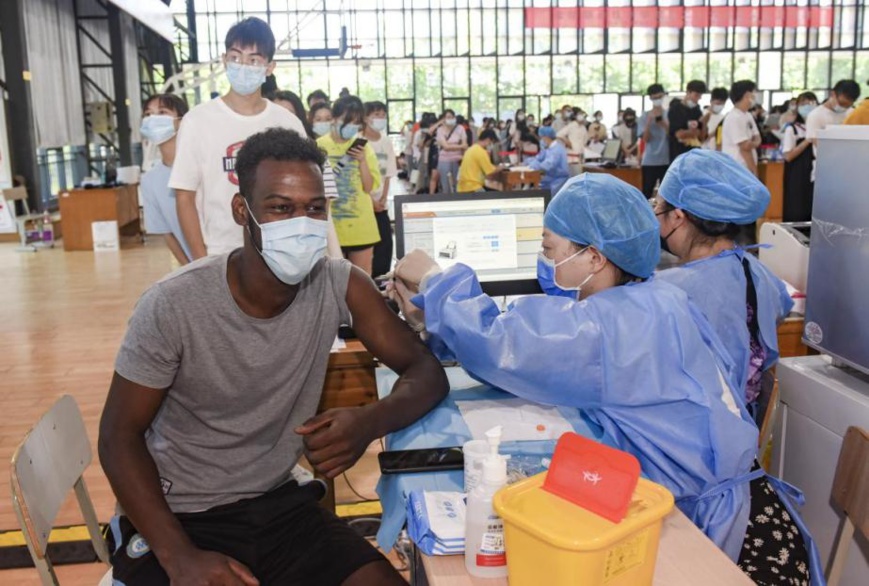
832,112
381,144
211,135
740,137
712,119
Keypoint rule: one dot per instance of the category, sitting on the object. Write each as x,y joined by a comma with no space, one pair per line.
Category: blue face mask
322,128
291,247
546,277
245,79
805,110
158,128
348,131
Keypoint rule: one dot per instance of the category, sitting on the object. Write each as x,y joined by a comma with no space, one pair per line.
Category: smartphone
359,142
430,460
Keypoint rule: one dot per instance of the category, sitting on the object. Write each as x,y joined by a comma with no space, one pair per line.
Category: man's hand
413,268
335,439
379,204
209,568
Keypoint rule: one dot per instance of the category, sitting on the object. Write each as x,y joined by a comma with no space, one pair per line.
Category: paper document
338,344
521,420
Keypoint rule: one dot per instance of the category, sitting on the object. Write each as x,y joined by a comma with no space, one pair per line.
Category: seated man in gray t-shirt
216,388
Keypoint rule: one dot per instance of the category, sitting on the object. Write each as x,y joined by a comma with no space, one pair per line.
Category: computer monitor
612,151
498,234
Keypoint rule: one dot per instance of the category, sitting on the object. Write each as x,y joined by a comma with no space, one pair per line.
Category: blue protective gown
717,286
639,360
553,162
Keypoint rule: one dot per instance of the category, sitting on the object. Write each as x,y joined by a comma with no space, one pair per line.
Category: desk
790,338
685,556
772,174
349,378
79,208
514,180
630,175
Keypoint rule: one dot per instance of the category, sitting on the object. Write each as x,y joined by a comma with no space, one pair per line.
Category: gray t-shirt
237,385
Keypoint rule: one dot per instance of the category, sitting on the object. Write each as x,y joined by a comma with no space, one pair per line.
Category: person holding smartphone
357,174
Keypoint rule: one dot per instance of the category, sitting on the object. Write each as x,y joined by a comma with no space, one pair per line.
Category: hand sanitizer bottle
485,556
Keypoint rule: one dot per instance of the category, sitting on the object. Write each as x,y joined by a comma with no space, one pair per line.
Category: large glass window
422,54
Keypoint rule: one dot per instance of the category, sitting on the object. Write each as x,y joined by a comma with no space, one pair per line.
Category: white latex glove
413,315
414,268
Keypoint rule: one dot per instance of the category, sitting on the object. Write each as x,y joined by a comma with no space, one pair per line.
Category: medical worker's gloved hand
414,268
413,315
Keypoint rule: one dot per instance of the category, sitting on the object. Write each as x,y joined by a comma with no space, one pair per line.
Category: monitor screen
498,234
611,150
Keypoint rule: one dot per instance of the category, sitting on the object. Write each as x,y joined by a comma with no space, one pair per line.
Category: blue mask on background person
806,109
322,128
291,247
158,128
378,124
348,131
245,79
546,277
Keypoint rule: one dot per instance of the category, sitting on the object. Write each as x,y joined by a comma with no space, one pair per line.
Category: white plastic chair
47,464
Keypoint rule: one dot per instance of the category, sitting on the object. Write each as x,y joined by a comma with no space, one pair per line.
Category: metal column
119,78
22,132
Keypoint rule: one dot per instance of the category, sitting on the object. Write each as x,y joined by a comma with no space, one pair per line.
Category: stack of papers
436,521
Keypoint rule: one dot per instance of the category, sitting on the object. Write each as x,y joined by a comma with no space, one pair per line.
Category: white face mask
158,128
690,103
245,79
291,247
717,108
838,109
321,128
378,124
658,102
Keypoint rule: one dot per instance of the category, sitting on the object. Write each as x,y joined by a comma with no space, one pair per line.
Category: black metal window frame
479,38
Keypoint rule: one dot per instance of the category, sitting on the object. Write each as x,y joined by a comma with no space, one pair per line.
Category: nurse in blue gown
704,199
636,356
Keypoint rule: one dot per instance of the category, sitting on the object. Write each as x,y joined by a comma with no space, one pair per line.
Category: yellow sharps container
553,542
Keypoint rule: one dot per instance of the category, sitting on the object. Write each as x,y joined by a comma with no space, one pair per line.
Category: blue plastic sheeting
445,427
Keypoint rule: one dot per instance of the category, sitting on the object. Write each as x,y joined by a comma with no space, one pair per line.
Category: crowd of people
282,203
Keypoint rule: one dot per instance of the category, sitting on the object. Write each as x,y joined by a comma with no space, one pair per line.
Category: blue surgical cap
546,131
612,216
713,186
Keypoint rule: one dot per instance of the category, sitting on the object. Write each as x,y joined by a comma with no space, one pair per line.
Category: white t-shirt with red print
209,139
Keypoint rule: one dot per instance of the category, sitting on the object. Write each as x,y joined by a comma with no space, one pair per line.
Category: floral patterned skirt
773,551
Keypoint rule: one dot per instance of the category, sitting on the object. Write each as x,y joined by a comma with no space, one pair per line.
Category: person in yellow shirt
860,114
476,166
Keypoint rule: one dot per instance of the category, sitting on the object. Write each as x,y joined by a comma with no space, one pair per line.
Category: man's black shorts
284,537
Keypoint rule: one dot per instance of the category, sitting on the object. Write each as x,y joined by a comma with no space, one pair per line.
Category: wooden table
685,556
349,382
790,338
630,175
79,208
349,378
515,179
772,174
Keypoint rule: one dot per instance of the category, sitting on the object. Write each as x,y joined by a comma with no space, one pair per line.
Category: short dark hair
317,94
847,87
170,101
252,32
375,106
348,106
316,108
274,144
298,106
449,111
720,93
488,134
655,88
740,88
696,85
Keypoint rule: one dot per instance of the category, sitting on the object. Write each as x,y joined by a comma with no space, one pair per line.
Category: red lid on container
593,476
